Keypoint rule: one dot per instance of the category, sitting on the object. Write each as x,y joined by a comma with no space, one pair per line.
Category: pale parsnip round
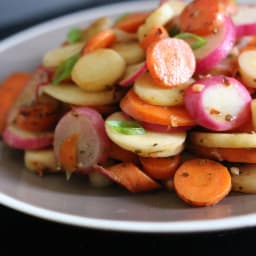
130,51
96,26
223,140
72,94
150,144
41,161
177,6
124,37
148,91
245,180
98,180
247,67
55,57
98,70
158,17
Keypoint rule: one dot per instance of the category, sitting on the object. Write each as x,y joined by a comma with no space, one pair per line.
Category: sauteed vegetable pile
161,99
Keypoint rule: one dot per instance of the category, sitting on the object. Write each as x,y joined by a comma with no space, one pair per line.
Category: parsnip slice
158,17
245,179
247,67
74,95
98,70
148,91
55,57
150,144
223,140
41,161
130,51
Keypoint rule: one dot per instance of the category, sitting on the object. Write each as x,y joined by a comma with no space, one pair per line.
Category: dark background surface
23,232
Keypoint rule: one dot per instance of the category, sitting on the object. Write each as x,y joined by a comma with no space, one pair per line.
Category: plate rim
196,226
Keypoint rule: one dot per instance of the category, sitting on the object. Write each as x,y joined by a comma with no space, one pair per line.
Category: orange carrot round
10,90
174,116
154,35
131,22
102,39
202,17
161,168
202,182
170,61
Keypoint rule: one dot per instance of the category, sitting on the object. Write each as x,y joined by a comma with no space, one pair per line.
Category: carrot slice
170,61
161,168
131,22
174,116
102,39
202,182
68,153
154,35
130,176
202,17
233,155
10,90
122,155
38,117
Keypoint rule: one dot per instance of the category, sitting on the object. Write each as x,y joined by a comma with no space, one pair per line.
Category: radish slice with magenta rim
133,73
217,47
20,139
218,103
92,144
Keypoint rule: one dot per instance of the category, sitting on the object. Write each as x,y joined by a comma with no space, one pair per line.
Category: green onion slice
197,41
74,35
126,127
63,71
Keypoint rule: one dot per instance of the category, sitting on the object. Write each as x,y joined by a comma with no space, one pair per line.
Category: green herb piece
126,127
74,35
63,71
197,41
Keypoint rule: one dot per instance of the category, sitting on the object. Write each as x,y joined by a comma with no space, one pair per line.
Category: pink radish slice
218,103
127,81
19,139
217,47
248,29
163,128
133,180
93,143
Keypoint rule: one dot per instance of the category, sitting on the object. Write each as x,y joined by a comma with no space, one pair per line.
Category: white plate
75,202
